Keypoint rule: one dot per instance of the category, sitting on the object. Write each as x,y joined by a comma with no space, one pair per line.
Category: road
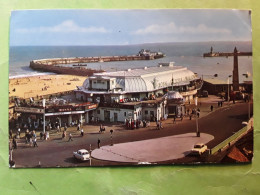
221,124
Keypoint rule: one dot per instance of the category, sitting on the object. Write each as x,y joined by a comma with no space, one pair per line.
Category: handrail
231,138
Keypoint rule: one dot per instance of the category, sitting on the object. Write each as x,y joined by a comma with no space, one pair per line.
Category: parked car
199,149
82,154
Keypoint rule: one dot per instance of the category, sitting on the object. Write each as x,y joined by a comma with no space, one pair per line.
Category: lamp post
197,125
228,87
90,157
43,104
248,97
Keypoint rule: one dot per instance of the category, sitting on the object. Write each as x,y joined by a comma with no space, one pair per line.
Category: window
146,111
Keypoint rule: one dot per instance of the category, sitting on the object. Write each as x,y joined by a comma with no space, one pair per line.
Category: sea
186,54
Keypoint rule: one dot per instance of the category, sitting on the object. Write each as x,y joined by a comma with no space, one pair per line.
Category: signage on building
64,113
91,106
68,108
29,110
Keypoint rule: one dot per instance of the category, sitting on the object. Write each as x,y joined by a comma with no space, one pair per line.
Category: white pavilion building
137,93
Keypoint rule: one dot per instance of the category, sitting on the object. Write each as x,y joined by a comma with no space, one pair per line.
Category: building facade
138,93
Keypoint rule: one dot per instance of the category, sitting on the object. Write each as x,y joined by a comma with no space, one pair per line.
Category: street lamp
197,125
43,104
228,87
248,97
90,157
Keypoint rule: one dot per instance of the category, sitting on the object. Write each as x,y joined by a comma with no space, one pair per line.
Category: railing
232,138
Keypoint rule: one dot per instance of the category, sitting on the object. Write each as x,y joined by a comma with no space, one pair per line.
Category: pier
55,64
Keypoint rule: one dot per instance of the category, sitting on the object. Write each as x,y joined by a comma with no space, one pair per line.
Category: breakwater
56,64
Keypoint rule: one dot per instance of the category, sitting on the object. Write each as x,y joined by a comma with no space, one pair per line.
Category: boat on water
148,53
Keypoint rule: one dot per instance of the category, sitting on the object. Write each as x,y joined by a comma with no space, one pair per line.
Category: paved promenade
152,150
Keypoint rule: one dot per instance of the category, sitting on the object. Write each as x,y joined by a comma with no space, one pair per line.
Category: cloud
171,28
65,27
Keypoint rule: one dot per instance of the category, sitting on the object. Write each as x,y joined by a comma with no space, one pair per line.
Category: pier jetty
56,65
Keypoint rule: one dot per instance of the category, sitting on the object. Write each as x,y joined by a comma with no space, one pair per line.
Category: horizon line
134,43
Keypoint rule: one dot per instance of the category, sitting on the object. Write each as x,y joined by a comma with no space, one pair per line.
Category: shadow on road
72,160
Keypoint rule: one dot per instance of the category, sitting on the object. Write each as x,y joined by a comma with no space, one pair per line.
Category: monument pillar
235,72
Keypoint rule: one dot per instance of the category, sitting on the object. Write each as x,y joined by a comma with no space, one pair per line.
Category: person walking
35,141
63,134
211,108
174,119
19,132
70,137
47,135
14,143
82,132
98,142
58,128
160,125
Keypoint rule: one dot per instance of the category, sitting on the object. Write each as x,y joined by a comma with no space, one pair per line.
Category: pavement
152,150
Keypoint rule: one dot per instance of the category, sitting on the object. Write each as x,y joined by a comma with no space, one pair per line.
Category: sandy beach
26,87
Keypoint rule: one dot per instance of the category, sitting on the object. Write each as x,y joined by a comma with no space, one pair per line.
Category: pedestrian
160,125
35,141
78,128
63,134
174,119
58,128
70,137
19,132
47,135
14,143
41,135
98,142
82,132
211,108
181,116
188,111
101,129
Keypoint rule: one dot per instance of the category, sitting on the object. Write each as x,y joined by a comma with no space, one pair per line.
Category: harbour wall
55,64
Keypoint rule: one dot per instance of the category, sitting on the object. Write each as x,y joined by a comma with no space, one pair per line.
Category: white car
82,154
199,149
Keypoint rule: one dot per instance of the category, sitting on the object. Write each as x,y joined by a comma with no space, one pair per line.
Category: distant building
138,93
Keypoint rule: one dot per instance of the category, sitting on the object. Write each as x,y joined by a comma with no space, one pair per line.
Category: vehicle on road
198,149
82,155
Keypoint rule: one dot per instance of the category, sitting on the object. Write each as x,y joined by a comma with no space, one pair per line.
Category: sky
125,27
